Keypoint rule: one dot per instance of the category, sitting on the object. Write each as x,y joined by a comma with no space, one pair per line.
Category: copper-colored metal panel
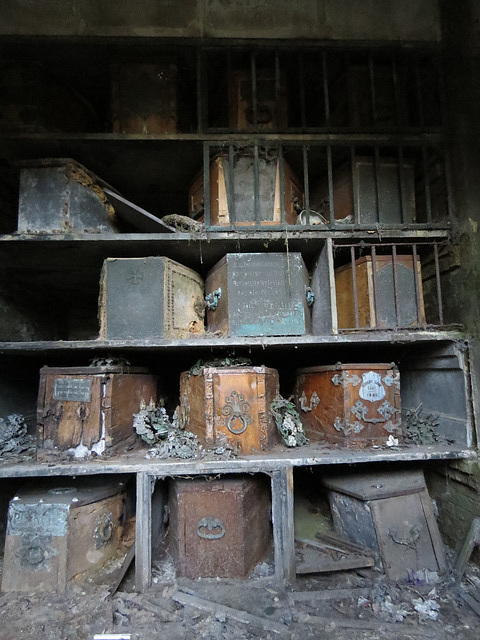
231,403
354,405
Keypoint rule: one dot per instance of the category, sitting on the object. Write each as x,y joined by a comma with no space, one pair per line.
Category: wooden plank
472,540
386,627
235,614
143,532
433,530
329,594
136,216
283,523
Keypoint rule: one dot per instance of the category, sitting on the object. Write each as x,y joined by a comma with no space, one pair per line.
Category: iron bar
418,285
206,184
426,182
396,296
281,169
326,96
373,321
231,186
439,288
253,72
306,186
354,285
256,186
331,204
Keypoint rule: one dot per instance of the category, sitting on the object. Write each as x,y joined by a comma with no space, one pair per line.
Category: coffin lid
374,486
371,366
67,491
90,371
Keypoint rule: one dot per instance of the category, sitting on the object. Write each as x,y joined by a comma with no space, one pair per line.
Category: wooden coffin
383,193
259,294
84,411
390,513
271,94
376,298
55,535
232,404
235,203
144,97
219,527
154,297
59,195
352,405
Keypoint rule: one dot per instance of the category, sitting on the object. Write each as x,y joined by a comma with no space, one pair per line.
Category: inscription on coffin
38,518
72,389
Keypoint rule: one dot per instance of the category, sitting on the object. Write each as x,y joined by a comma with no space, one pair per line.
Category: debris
428,608
183,223
151,423
125,565
472,602
235,614
288,421
330,594
315,556
218,362
14,439
422,428
472,540
395,627
422,577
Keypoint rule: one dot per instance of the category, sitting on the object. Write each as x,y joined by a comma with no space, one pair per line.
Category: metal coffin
154,297
353,405
259,294
232,197
230,404
219,527
377,192
144,97
375,296
56,535
391,513
61,196
85,411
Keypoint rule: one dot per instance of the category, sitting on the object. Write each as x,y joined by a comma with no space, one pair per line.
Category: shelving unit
49,282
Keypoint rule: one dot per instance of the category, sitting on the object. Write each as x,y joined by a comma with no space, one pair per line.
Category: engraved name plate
72,389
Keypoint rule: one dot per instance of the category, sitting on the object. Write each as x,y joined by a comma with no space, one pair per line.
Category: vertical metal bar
396,94
418,284
373,321
231,187
301,76
330,187
256,187
428,202
396,292
201,94
447,167
373,104
277,75
376,180
306,185
401,178
229,93
206,184
326,96
439,288
356,208
281,169
253,72
354,284
418,86
143,532
283,524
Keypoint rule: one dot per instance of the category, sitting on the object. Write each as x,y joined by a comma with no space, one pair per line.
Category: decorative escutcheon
348,427
103,531
410,540
236,409
385,410
211,299
345,379
210,528
314,401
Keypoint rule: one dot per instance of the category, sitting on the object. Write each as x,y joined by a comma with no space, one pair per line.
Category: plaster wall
389,20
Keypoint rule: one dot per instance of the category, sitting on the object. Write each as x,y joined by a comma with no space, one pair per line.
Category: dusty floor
344,605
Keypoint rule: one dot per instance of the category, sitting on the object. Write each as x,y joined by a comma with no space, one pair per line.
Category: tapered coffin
352,405
144,97
59,195
259,294
232,192
154,297
271,101
377,192
230,404
390,513
55,535
85,411
219,527
376,290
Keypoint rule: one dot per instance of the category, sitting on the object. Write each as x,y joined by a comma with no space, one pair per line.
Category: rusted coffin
231,403
232,197
376,294
59,195
219,527
259,294
82,411
353,405
271,96
390,513
152,297
144,97
55,535
378,192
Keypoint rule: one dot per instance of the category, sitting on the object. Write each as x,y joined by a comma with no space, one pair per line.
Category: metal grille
392,285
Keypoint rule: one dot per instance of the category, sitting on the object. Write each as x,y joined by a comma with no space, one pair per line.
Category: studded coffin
219,527
84,411
54,535
230,404
354,405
